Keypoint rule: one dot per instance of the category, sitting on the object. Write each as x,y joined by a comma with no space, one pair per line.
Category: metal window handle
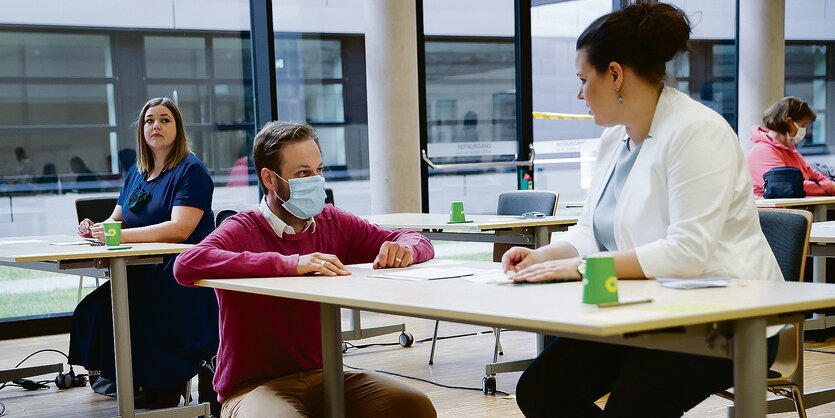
456,166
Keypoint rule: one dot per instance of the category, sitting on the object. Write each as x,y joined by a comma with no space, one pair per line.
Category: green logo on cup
112,233
456,212
600,285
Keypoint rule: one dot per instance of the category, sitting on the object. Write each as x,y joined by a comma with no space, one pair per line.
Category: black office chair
329,196
512,203
96,209
787,232
222,215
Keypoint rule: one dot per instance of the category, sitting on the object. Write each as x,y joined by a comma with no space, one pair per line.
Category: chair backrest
787,232
521,201
329,196
96,209
222,215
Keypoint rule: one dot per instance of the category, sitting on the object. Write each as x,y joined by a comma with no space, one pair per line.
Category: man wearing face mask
775,145
270,355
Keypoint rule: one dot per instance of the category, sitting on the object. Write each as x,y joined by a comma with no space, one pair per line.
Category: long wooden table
483,228
38,253
722,322
502,229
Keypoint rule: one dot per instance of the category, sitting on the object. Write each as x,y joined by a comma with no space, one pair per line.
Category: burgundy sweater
269,337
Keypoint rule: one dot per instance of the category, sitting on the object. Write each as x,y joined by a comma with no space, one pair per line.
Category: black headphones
70,380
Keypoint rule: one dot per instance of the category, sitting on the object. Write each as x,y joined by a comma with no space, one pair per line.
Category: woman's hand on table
97,231
564,270
84,228
519,258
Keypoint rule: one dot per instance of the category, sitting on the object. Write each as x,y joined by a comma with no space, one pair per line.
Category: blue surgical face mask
307,196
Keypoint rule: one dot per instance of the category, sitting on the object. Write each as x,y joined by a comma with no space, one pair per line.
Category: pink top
768,152
268,337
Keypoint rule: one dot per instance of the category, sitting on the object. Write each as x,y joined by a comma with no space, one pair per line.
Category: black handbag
782,182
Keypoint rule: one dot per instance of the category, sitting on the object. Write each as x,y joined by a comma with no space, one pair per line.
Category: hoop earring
620,98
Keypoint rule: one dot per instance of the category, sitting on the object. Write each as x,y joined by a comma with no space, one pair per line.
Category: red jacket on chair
768,153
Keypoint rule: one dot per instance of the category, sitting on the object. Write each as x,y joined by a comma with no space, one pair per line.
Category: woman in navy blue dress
166,197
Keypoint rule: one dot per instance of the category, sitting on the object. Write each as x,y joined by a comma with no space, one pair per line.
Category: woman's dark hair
642,36
775,116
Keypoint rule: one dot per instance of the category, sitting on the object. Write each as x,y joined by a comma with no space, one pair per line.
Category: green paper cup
599,282
456,212
112,233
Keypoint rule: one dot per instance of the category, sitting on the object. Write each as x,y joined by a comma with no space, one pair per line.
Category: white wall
460,17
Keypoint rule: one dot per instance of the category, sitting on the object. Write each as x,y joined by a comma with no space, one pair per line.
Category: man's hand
393,254
326,264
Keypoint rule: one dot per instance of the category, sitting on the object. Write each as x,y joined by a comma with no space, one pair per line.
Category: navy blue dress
173,328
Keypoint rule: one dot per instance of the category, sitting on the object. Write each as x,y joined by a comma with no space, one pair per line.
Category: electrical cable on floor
818,350
4,384
43,351
420,379
425,340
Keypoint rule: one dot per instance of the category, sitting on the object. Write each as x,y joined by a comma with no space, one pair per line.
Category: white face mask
801,133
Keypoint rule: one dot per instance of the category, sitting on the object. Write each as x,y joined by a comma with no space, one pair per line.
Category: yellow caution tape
554,115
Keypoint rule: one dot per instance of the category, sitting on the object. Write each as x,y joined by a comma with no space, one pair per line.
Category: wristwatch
581,267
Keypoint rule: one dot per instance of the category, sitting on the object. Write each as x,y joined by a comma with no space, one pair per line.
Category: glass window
193,100
324,103
12,107
312,85
565,148
68,104
24,54
332,143
58,90
233,103
806,78
322,58
471,117
175,56
232,58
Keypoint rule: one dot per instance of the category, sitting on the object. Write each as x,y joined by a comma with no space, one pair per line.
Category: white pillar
761,61
393,129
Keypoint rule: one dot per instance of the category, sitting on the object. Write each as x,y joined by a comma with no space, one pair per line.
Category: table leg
542,236
121,335
334,380
750,368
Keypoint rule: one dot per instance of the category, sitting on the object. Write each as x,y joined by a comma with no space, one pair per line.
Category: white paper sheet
692,282
490,277
425,273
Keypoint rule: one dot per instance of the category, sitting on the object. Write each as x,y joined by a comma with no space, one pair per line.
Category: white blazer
687,207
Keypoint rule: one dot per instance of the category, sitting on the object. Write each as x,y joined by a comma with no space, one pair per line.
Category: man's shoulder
247,219
330,213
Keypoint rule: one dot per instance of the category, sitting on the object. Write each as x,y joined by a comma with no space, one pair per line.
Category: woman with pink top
775,146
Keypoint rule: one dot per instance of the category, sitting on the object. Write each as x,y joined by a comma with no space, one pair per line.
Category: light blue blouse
604,212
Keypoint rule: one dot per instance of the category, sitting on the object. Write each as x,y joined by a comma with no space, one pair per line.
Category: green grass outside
14,273
473,257
39,303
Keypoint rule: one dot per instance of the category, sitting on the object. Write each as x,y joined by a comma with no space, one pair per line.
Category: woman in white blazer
671,196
